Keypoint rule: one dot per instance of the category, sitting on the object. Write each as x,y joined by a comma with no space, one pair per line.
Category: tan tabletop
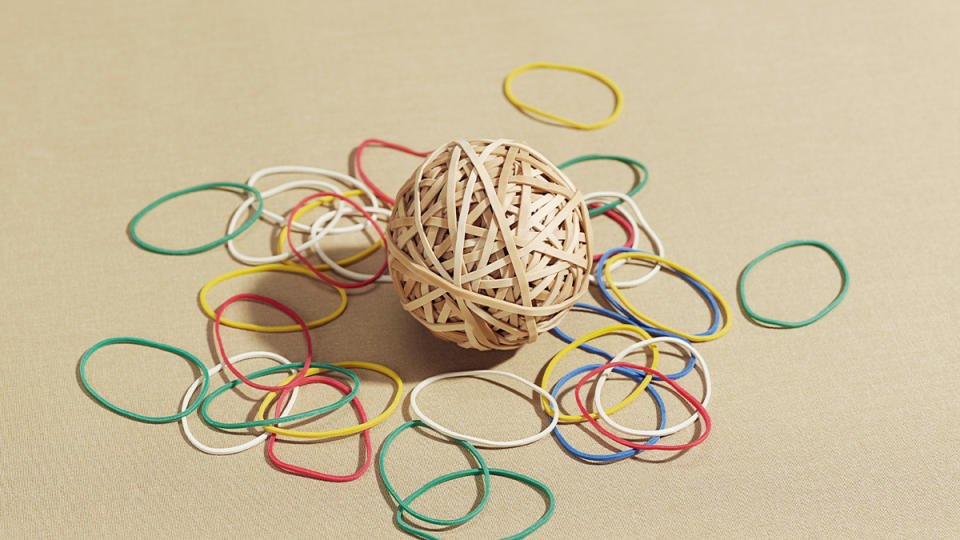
759,124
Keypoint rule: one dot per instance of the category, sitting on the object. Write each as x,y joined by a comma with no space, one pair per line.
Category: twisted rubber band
786,324
629,161
340,432
617,94
310,473
402,503
319,230
310,206
145,343
210,245
638,222
356,160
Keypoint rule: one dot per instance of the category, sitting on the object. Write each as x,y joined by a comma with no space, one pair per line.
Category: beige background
759,124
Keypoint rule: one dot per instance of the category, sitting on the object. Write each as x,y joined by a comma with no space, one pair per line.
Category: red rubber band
618,217
271,302
316,272
356,159
310,473
630,444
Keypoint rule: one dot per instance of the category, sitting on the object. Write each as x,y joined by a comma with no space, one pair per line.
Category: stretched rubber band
210,245
630,444
654,359
356,159
252,442
146,343
635,375
552,503
617,94
629,161
310,473
316,368
477,440
340,432
277,305
661,432
621,220
786,324
638,222
205,306
679,269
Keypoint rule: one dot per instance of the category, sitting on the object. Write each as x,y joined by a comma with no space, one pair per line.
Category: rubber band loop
252,442
145,343
310,473
630,444
403,505
477,440
317,232
786,324
210,245
315,241
638,223
340,432
316,368
621,220
552,503
676,268
654,359
617,94
635,375
356,160
276,267
629,161
277,305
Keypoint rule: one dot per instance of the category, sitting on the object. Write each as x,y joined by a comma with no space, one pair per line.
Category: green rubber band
786,324
629,161
402,504
408,528
191,251
146,343
290,417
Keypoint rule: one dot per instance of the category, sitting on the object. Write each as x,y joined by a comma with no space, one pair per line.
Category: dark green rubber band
629,161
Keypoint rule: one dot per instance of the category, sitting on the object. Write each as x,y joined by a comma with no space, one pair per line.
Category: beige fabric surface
760,123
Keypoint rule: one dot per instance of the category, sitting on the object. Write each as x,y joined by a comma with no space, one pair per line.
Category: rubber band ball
489,244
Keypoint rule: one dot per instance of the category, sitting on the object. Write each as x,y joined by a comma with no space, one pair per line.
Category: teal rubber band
290,417
786,324
629,161
191,251
146,343
473,472
403,505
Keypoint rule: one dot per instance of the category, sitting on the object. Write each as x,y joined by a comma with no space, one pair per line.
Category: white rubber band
638,223
327,221
256,440
476,440
700,363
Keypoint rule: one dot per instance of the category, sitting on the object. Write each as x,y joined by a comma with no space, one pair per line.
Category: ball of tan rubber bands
489,244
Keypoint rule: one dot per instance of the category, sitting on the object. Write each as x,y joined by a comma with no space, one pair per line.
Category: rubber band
676,268
638,223
252,442
316,368
356,160
621,220
315,241
552,503
277,305
629,161
304,260
630,444
340,432
310,473
145,343
654,359
617,94
598,388
403,505
298,169
210,245
637,376
477,440
786,324
205,306
317,232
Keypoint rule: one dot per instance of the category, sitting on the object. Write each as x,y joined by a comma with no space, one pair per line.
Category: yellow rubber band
618,95
654,359
341,431
690,337
366,252
276,267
